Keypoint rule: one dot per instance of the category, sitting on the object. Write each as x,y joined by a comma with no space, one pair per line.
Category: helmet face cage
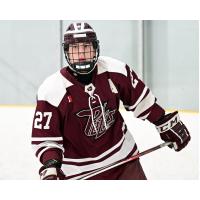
81,48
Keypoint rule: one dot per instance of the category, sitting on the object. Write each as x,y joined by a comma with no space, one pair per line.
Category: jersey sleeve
47,140
137,97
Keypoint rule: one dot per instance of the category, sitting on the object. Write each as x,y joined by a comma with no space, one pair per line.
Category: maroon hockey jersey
81,125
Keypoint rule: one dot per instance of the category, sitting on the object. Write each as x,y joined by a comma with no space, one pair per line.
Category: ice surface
17,161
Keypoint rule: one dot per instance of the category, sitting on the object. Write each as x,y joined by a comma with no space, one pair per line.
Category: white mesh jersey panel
111,65
53,89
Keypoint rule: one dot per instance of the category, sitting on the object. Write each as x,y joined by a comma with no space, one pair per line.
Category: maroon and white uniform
81,125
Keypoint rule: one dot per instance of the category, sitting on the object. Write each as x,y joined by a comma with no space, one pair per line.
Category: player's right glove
172,129
51,171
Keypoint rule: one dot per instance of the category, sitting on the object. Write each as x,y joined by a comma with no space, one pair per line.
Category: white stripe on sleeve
37,139
47,145
146,103
138,100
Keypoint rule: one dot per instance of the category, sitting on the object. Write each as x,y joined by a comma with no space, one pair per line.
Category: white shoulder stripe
111,65
53,89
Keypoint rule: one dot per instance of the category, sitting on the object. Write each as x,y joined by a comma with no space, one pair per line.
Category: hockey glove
51,171
172,129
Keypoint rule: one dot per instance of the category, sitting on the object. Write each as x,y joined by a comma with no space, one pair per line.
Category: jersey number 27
39,117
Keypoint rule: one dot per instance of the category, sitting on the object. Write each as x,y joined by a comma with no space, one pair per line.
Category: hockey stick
121,162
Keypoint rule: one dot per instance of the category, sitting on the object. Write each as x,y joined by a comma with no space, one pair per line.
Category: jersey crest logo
98,120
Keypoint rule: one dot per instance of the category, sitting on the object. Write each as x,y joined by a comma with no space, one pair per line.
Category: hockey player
77,126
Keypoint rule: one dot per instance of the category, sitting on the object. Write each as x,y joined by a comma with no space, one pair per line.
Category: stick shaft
121,162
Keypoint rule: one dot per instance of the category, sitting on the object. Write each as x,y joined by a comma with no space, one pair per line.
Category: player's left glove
172,129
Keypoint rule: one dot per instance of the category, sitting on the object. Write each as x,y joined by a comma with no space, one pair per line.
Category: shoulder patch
111,65
53,89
